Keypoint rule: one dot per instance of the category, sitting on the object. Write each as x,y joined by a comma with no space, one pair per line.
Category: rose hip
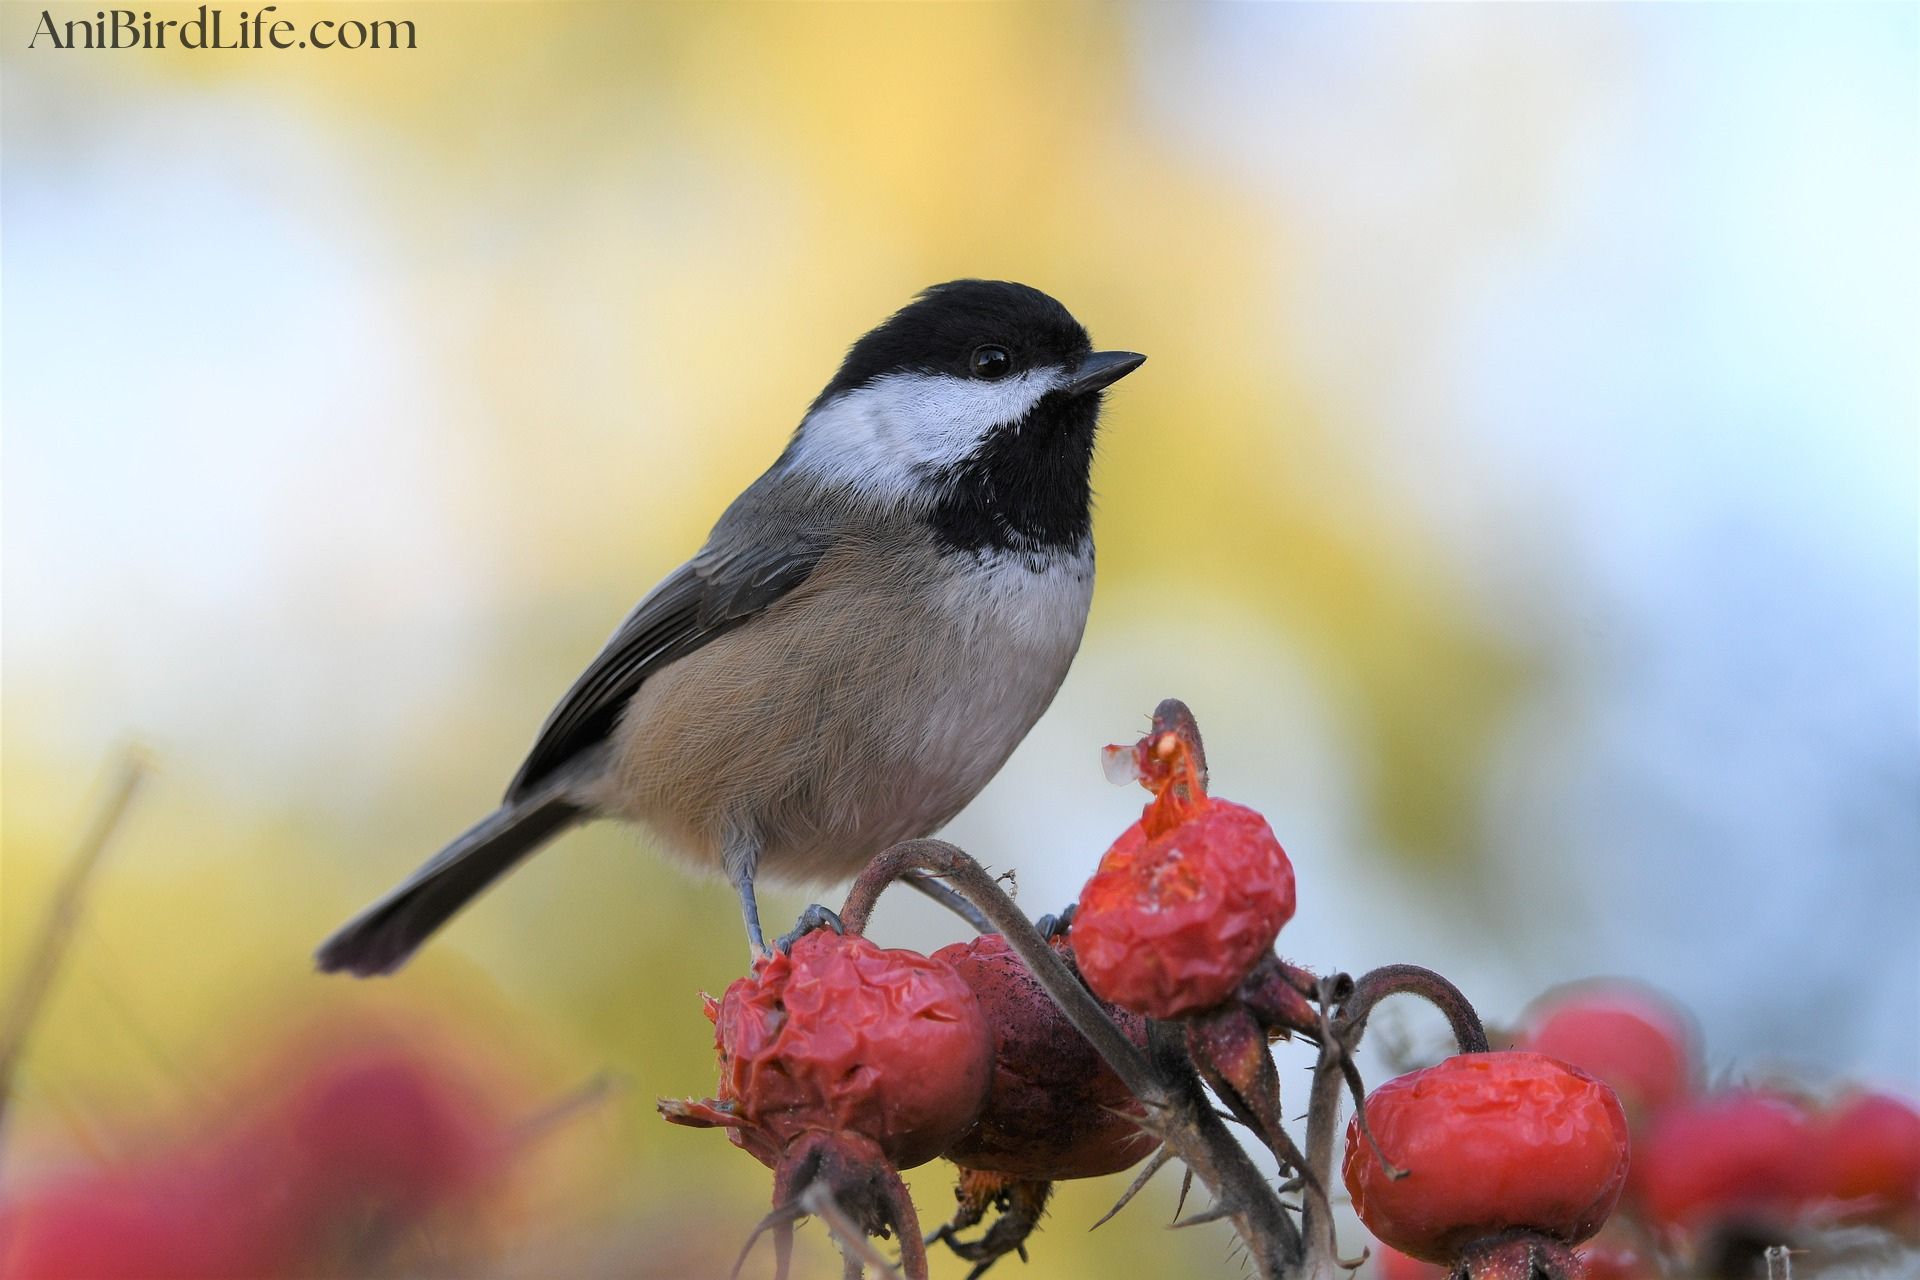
1869,1155
1600,1261
1054,1110
1741,1156
1490,1145
1628,1036
1188,898
840,1064
1391,1264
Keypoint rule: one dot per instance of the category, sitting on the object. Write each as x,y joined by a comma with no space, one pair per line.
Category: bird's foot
814,917
1055,926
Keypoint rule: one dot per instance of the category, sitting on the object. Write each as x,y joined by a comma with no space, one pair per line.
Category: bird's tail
381,938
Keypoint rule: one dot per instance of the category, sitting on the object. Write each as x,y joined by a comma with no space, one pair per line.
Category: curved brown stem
971,881
1410,979
1177,1107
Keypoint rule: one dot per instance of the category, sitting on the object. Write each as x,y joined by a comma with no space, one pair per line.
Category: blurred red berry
181,1218
1391,1264
1187,899
1723,1158
1625,1035
1869,1145
1490,1143
386,1129
840,1036
1054,1109
1600,1261
327,1174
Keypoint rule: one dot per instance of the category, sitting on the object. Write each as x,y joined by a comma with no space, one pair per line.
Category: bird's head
975,406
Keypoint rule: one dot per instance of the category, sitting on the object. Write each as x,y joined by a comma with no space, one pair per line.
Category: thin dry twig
49,948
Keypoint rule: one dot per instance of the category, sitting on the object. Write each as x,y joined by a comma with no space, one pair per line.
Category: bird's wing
716,591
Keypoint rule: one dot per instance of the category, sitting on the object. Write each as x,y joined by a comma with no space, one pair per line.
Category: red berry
841,1064
1052,1109
1869,1147
840,1036
1629,1037
1391,1264
178,1218
386,1129
1490,1143
333,1160
1186,900
1726,1158
1613,1262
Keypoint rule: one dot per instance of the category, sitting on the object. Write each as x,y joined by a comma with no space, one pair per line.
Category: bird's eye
990,362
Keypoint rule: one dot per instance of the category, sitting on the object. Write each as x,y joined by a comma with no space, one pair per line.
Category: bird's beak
1103,369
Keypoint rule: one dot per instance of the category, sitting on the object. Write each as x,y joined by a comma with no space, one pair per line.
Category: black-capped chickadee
868,633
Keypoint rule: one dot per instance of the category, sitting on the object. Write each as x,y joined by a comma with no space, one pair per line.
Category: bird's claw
1053,926
814,917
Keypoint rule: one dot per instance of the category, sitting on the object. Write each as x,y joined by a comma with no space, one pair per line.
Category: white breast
1015,630
1005,600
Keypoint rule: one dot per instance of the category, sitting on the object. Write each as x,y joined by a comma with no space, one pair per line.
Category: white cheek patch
882,439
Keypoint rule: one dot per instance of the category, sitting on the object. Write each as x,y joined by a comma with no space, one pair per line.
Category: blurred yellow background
1521,490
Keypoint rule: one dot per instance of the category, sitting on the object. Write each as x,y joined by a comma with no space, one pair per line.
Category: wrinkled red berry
1869,1155
1187,899
1053,1110
841,1064
840,1036
1490,1143
1625,1035
1729,1157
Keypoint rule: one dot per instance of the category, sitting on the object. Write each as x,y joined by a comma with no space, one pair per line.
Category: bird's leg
742,859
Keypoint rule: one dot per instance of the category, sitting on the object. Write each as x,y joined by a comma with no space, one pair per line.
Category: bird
869,631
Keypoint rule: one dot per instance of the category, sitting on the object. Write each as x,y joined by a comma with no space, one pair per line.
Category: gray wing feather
720,588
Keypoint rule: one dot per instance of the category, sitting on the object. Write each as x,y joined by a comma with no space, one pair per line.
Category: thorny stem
1155,1164
1176,1103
